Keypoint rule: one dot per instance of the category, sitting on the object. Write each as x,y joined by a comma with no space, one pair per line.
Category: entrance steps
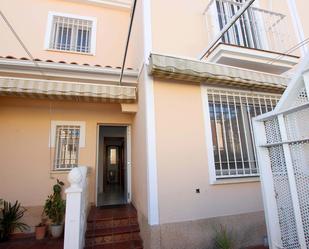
113,227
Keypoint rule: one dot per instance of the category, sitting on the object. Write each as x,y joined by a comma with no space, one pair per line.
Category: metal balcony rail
256,28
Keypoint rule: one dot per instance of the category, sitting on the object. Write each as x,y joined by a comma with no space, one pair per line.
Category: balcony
260,39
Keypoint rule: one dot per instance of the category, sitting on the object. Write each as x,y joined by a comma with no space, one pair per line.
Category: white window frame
49,26
213,179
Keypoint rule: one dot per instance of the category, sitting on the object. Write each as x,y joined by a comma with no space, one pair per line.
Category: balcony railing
256,28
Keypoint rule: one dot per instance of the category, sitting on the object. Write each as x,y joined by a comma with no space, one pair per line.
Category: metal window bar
239,137
233,111
81,33
217,133
253,167
244,118
67,147
232,131
60,42
71,34
225,137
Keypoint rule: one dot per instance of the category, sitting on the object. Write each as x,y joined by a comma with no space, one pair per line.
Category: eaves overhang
119,4
66,72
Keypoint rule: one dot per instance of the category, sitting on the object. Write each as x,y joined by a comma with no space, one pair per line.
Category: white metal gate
282,139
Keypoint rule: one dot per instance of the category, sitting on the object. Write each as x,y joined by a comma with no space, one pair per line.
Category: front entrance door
112,174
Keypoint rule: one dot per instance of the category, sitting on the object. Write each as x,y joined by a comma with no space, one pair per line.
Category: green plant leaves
54,207
9,219
223,238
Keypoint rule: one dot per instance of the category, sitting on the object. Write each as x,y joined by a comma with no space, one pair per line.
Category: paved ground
31,243
257,247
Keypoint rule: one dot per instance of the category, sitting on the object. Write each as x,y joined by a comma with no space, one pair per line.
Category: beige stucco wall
302,9
182,162
136,44
181,33
139,155
26,161
29,19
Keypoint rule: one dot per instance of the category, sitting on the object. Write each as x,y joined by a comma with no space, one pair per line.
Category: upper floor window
232,143
71,33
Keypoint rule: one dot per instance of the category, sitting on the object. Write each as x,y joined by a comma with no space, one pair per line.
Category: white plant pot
56,230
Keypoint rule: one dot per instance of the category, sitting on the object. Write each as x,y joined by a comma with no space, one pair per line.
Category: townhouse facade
175,138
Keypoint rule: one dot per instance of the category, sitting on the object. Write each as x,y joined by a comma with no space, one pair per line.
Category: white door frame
128,160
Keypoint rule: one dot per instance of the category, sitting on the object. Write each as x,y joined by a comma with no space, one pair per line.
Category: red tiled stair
114,227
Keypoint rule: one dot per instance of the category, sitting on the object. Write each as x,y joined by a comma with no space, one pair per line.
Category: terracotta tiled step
133,244
111,231
112,238
109,223
113,227
118,212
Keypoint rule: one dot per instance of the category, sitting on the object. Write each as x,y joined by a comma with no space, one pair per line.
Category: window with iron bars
67,147
231,116
71,34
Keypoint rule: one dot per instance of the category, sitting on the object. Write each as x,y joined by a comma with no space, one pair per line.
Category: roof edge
65,70
118,4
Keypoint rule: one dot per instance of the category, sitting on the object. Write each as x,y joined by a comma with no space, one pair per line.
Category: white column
152,175
297,25
73,229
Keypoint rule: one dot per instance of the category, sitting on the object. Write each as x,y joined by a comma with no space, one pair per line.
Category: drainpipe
226,28
128,41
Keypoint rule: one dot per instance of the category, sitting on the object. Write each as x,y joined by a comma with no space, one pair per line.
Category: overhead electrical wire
21,42
128,40
289,51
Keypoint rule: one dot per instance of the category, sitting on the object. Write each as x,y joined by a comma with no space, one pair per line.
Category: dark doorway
112,171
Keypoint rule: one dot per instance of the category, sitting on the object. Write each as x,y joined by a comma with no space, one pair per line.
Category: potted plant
54,209
10,215
40,230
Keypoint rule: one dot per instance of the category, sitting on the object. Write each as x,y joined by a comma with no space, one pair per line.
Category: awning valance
66,90
204,72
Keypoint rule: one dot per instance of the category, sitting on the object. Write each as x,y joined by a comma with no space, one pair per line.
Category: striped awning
171,67
66,90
